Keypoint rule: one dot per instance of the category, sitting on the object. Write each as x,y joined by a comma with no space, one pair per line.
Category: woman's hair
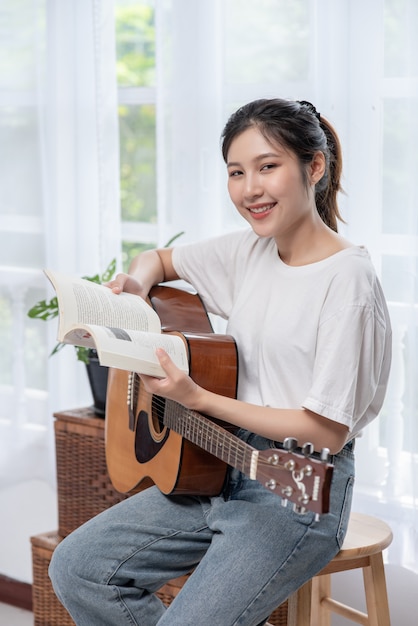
299,128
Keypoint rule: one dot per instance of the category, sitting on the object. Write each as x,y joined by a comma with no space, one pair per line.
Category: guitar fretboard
211,437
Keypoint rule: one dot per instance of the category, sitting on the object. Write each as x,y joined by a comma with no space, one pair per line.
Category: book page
84,302
129,349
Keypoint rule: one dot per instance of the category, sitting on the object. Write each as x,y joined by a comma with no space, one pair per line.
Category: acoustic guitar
151,440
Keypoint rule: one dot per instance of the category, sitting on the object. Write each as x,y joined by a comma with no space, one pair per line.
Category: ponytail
327,189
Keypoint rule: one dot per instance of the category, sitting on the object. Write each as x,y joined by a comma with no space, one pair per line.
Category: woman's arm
276,424
147,269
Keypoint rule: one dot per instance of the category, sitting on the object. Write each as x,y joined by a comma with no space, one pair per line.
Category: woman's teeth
261,209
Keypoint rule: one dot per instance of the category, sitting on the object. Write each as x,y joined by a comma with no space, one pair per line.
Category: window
136,76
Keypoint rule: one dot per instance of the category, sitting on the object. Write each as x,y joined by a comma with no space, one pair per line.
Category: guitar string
202,428
202,421
203,432
242,450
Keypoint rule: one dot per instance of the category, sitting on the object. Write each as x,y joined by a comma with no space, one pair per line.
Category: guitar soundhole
158,408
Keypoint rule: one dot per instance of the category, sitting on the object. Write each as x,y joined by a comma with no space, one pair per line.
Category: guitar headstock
299,477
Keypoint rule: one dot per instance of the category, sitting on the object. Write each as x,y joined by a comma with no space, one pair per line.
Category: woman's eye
269,166
234,173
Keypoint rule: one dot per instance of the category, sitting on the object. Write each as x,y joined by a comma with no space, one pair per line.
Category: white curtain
80,130
59,204
357,61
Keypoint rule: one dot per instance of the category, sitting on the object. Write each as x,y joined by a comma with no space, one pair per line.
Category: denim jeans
248,553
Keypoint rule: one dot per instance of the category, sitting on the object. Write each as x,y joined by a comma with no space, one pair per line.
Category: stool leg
299,606
376,592
321,588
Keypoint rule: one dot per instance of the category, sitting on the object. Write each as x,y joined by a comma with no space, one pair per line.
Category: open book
124,329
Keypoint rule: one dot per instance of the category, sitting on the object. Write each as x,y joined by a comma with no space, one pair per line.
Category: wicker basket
47,609
279,616
84,487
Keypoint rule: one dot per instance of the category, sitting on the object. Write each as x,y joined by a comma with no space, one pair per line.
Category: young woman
313,334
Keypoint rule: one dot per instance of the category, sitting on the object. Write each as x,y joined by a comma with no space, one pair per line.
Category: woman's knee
61,568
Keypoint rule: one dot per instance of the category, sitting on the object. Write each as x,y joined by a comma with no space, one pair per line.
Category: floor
12,616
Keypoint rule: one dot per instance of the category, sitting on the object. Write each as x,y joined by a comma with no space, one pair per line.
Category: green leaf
109,272
44,310
92,279
57,348
82,354
170,241
106,276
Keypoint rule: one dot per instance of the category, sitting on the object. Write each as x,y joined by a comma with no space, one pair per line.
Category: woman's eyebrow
259,157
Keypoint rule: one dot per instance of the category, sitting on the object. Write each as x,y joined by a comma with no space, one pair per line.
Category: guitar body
140,449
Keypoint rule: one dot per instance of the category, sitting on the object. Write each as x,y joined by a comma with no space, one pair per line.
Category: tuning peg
273,459
308,448
325,454
287,492
290,443
271,484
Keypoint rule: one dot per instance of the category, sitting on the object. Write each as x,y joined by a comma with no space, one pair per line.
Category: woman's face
266,186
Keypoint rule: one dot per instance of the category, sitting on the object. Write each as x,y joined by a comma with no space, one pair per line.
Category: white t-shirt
316,336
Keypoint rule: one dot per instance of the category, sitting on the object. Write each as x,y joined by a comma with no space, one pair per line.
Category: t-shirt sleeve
350,357
213,267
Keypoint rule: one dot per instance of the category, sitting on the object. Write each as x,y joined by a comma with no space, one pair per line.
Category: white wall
402,587
17,526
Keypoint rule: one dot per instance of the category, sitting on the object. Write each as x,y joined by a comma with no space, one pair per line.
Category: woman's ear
317,168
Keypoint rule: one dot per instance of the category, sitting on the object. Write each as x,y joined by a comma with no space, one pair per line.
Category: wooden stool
366,538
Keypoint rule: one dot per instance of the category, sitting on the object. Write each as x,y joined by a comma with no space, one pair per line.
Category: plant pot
98,383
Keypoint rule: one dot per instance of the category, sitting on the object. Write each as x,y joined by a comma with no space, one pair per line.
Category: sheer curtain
59,208
59,200
357,61
80,134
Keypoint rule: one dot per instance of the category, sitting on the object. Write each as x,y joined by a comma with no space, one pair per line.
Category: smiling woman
356,61
320,379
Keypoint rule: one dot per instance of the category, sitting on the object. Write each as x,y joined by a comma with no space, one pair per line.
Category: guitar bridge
132,399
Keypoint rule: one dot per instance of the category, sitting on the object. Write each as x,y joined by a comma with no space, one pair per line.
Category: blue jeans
248,553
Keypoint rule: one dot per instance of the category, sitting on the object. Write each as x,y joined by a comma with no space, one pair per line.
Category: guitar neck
212,438
304,481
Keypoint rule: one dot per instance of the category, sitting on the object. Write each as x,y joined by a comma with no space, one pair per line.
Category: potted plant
97,374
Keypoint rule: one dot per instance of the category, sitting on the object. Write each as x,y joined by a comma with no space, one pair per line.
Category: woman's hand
127,283
176,385
147,269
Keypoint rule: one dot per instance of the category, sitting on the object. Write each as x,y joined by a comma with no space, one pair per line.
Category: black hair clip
310,107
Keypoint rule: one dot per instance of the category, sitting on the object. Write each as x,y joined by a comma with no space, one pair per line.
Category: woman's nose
253,187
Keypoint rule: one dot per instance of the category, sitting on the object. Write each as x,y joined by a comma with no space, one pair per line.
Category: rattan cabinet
84,490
